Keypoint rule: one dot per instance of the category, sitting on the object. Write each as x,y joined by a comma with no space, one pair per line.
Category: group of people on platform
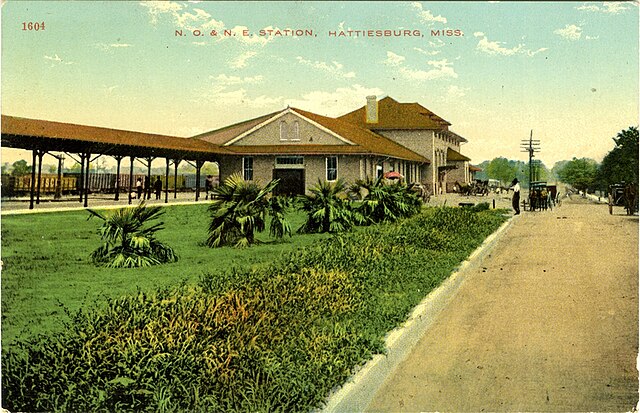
144,190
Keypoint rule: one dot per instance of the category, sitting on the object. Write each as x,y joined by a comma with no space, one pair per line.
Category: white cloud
497,48
426,16
335,103
439,68
199,19
334,68
110,47
222,96
108,90
394,59
587,7
228,90
241,61
493,48
157,8
456,92
436,43
426,52
570,32
224,80
592,37
613,7
535,52
57,60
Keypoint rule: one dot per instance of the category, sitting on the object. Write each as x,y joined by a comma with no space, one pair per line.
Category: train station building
295,146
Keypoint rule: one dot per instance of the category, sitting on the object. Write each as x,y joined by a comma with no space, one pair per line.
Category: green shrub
276,338
128,241
386,202
327,208
239,209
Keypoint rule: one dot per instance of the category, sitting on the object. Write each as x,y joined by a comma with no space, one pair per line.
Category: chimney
372,109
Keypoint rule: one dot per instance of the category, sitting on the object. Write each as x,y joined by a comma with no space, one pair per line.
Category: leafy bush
277,338
127,242
386,202
279,206
326,208
239,210
482,206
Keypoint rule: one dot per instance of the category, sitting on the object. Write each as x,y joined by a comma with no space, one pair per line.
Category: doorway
291,181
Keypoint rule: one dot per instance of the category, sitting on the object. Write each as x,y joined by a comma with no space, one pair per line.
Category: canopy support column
86,180
81,180
147,183
118,160
40,155
58,194
131,179
166,183
32,188
199,165
176,162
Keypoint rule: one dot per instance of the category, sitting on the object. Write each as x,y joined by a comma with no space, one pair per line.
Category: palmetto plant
239,209
327,209
279,206
128,240
386,202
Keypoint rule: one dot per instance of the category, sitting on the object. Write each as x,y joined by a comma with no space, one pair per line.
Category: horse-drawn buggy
625,195
540,196
474,188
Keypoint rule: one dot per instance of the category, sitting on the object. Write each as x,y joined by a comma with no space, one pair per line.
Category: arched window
296,131
284,132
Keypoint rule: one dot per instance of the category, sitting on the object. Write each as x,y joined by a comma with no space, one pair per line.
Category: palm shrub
386,202
129,241
239,209
326,208
279,206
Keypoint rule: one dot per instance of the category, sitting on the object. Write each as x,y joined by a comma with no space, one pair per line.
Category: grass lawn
46,264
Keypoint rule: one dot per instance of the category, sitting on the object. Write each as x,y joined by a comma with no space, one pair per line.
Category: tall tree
20,168
621,163
579,173
502,169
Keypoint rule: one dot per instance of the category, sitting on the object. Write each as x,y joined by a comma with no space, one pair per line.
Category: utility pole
532,146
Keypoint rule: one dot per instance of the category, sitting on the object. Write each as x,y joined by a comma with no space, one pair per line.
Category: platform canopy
43,135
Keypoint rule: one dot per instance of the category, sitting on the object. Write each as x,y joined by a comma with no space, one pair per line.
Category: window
289,160
379,171
296,131
247,168
332,168
284,131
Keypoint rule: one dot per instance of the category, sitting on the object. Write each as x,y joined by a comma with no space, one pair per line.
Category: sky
568,71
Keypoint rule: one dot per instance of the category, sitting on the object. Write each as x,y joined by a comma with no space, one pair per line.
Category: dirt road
548,322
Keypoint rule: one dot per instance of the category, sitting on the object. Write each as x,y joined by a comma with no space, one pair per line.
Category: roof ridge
347,124
200,135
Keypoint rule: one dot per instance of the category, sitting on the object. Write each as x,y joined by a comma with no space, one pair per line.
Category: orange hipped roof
395,115
363,140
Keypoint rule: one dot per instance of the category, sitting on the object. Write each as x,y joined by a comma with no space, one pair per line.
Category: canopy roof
68,137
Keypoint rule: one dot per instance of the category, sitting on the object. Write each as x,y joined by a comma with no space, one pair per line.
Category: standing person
147,187
139,187
157,186
208,185
516,195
